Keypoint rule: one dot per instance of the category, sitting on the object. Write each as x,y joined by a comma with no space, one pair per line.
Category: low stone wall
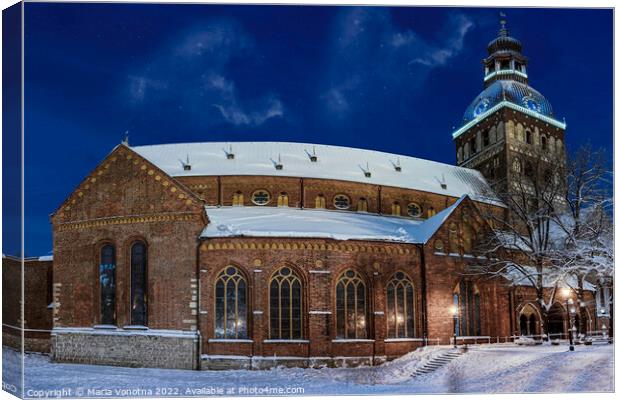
225,362
37,342
145,349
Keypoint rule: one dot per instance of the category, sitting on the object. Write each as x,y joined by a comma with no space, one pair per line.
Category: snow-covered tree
555,229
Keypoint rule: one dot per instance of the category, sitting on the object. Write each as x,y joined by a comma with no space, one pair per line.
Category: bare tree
555,212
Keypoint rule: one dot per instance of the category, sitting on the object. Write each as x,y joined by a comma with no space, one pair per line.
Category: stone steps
436,362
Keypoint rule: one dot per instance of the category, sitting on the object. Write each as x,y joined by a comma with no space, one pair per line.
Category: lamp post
455,314
569,311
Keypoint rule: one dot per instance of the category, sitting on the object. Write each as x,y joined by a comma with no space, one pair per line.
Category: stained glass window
400,307
138,284
231,316
285,305
107,285
351,309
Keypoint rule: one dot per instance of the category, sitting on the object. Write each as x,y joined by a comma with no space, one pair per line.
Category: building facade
250,255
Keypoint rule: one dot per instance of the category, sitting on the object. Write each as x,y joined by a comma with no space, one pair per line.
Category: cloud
372,56
193,73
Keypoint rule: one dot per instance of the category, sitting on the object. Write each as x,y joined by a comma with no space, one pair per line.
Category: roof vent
186,165
313,157
279,165
367,172
442,182
229,154
397,166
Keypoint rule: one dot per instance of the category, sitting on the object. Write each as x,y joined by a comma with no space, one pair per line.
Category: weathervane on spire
502,21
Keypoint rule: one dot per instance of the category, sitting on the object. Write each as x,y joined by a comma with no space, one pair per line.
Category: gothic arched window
231,311
400,307
138,284
285,305
107,284
351,307
466,298
543,142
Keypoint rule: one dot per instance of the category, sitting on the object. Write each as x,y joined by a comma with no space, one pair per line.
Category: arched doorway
556,320
529,321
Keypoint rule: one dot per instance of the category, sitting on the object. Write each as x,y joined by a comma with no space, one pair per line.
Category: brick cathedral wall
37,297
319,263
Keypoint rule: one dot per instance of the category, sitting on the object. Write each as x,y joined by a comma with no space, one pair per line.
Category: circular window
260,197
342,202
438,245
230,271
414,210
285,271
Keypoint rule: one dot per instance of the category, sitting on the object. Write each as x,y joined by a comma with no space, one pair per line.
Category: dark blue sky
393,79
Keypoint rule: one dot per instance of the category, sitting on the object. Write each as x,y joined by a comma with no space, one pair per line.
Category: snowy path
483,369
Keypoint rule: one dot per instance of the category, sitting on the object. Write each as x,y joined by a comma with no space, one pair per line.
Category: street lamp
569,311
455,314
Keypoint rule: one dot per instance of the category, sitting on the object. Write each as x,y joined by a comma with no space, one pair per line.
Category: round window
260,197
342,202
414,210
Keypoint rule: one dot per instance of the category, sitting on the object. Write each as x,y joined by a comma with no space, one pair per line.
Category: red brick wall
123,200
259,258
37,297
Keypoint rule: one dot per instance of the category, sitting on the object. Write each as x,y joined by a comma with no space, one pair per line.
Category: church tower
509,122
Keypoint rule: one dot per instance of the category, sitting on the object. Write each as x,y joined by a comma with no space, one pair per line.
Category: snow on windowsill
395,340
286,341
231,341
353,341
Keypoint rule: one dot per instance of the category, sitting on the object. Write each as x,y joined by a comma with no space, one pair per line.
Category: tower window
505,65
473,146
485,138
528,137
543,142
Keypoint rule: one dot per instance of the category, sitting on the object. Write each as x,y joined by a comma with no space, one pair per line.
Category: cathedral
252,255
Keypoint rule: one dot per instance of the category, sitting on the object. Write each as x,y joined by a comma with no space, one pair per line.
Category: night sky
391,79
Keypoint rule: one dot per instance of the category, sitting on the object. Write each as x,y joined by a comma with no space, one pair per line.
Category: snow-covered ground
483,369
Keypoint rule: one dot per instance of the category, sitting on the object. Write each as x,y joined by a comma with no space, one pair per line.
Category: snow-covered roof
519,277
313,223
332,162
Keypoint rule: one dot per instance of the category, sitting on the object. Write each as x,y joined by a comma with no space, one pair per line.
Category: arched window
107,284
237,199
231,311
362,205
468,238
283,200
396,208
138,284
351,306
400,307
431,211
285,305
319,201
543,142
454,238
466,298
528,136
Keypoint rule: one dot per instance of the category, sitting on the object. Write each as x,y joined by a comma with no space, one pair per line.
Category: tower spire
503,31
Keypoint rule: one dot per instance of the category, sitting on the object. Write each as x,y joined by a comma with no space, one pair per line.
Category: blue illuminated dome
512,91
